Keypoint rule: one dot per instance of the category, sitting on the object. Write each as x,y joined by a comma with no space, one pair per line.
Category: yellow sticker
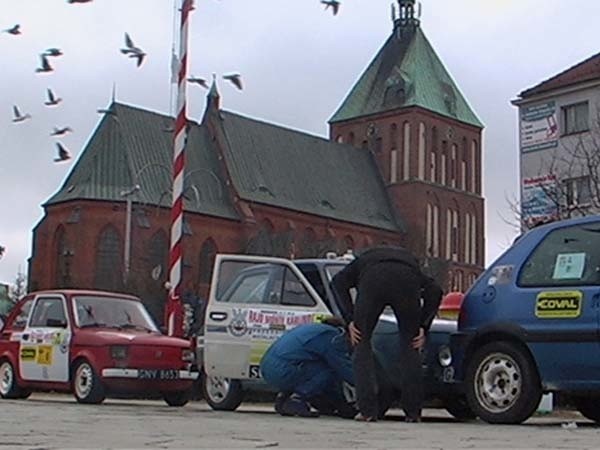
28,354
44,356
558,305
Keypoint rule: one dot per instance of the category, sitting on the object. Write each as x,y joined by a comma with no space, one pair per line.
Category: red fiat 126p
93,344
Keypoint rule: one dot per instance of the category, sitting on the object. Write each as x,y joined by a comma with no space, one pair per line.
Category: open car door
253,300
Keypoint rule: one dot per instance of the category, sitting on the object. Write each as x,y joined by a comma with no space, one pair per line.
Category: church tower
407,110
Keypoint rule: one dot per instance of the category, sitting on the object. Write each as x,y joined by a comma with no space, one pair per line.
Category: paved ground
50,421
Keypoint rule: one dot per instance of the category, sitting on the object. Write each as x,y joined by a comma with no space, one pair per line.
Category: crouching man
308,366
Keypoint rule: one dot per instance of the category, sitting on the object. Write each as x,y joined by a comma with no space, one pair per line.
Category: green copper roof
268,164
406,72
277,166
132,146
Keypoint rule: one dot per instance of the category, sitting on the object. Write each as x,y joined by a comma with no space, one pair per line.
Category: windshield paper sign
558,305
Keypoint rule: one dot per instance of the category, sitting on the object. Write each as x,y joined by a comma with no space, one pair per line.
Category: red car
93,344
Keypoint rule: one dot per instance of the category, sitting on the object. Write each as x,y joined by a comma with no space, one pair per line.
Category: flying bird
61,131
52,99
199,81
16,29
234,79
132,51
45,65
63,153
18,117
53,52
334,4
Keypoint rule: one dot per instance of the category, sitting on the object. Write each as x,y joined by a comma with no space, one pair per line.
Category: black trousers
397,285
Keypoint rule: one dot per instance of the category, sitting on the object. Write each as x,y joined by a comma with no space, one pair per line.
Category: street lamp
128,194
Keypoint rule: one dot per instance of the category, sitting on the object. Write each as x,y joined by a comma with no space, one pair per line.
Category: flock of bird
131,51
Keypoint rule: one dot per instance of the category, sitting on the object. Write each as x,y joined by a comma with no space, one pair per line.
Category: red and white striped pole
174,309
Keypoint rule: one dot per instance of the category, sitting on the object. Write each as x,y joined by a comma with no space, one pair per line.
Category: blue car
531,324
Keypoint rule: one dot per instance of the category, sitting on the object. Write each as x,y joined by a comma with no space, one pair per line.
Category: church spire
408,19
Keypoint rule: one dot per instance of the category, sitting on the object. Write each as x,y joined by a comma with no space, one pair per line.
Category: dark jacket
350,276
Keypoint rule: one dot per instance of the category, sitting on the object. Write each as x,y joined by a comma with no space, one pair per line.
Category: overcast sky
298,64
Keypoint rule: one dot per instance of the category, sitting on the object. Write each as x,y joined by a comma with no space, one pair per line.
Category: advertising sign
539,127
538,201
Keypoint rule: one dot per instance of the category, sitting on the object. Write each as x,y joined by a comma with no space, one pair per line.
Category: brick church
402,166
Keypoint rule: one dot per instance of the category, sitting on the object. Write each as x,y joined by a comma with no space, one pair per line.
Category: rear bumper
134,373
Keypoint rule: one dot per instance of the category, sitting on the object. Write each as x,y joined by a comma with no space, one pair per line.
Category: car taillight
187,355
118,352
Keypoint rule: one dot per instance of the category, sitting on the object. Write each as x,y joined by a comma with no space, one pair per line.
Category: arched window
393,166
262,242
453,165
421,161
310,245
468,238
474,167
109,269
435,236
158,254
339,139
393,136
208,252
464,166
406,151
60,259
444,165
473,238
429,231
433,155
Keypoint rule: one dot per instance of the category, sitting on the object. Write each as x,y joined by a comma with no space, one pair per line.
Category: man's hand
355,335
419,340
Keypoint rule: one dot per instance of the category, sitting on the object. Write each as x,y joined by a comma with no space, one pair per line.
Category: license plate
158,374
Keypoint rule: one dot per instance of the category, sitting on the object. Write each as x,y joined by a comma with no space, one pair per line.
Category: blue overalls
310,360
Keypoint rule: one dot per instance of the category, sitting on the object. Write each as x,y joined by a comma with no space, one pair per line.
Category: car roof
321,261
89,292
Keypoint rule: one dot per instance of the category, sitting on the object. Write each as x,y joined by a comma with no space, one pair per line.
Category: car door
253,300
44,344
557,300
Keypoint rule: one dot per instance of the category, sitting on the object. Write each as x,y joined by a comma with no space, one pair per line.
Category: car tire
502,384
459,408
9,387
222,394
589,407
177,398
87,385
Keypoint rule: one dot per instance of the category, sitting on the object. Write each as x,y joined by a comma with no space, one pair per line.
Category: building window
394,136
393,166
575,118
578,191
421,161
463,175
473,239
432,167
339,139
468,238
429,231
453,165
474,166
455,237
351,138
208,252
406,163
108,260
436,231
448,233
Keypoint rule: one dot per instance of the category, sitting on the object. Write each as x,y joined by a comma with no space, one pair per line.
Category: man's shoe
295,406
280,400
361,418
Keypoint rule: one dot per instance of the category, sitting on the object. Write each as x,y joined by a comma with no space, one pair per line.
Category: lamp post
128,194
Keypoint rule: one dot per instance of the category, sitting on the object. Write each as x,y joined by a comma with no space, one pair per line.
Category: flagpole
174,309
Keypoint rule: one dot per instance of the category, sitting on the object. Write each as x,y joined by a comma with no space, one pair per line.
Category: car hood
100,337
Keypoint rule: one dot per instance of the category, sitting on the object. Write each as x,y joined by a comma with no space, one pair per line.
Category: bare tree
19,288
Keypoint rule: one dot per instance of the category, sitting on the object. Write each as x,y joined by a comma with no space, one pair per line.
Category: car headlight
444,356
187,355
118,352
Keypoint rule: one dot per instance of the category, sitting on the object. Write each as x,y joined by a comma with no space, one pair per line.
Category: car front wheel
502,384
179,398
222,394
589,407
87,385
9,387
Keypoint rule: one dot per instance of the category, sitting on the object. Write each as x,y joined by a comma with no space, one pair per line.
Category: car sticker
28,354
558,305
44,355
569,266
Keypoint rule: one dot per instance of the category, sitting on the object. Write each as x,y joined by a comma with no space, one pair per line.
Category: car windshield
112,312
